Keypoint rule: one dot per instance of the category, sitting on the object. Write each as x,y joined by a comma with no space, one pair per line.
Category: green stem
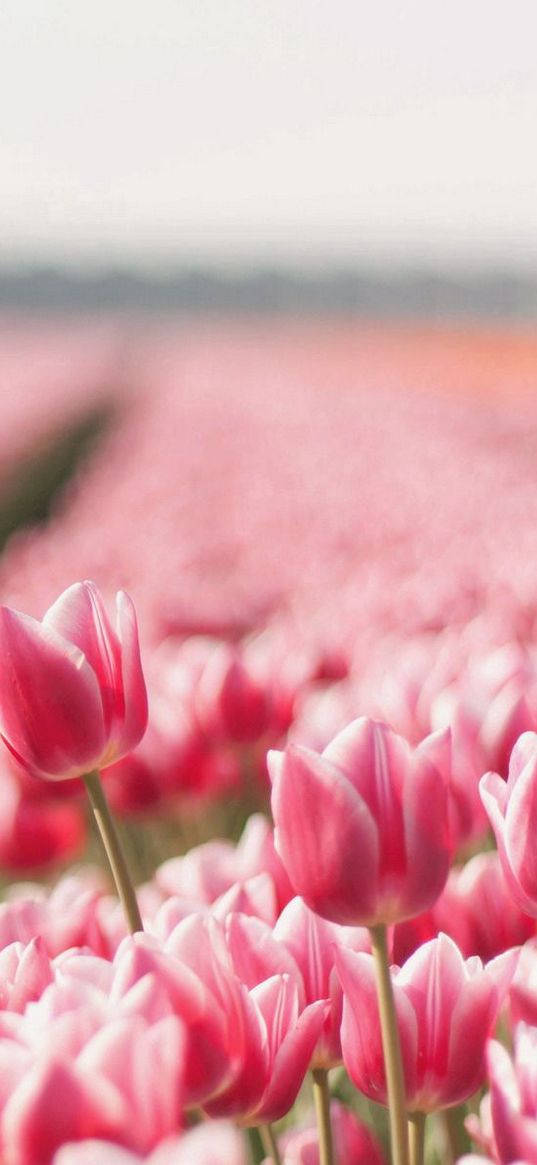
416,1137
269,1143
114,852
455,1140
321,1096
391,1047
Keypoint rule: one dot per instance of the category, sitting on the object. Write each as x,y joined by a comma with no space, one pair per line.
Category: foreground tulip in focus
72,692
362,828
73,700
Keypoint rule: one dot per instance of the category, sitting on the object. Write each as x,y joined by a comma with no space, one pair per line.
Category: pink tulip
446,1009
354,1143
312,941
513,1097
36,832
512,809
212,1057
208,871
121,1081
270,1036
361,829
523,988
64,918
25,971
257,953
283,1038
72,693
214,1143
53,1104
229,701
478,912
255,897
211,1143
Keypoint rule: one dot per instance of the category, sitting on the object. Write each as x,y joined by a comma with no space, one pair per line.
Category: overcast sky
237,130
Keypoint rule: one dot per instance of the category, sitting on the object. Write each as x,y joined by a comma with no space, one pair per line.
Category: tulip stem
113,849
270,1143
391,1047
416,1137
321,1096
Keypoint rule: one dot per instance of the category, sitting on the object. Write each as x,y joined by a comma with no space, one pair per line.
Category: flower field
317,942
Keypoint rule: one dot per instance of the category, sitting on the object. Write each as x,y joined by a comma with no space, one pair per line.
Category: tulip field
268,769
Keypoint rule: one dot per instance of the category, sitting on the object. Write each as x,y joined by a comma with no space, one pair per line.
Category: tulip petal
525,750
520,826
375,760
51,715
80,617
133,683
451,1038
290,1065
256,952
425,829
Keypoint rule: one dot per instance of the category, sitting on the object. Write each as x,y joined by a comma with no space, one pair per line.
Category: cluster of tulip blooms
160,1025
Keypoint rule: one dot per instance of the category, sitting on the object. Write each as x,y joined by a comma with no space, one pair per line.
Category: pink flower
523,988
361,829
72,693
446,1009
282,1038
25,971
512,809
311,941
513,1093
211,1022
36,831
230,703
269,1036
354,1143
478,912
85,1077
213,1143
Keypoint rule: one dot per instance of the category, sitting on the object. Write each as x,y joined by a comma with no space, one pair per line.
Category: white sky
386,130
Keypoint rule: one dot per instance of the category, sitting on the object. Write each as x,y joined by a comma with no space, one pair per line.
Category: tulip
230,704
73,700
354,1143
25,971
211,1028
278,1033
312,943
446,1008
362,833
512,809
270,1035
523,988
214,1143
72,693
95,1091
513,1108
478,912
361,828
